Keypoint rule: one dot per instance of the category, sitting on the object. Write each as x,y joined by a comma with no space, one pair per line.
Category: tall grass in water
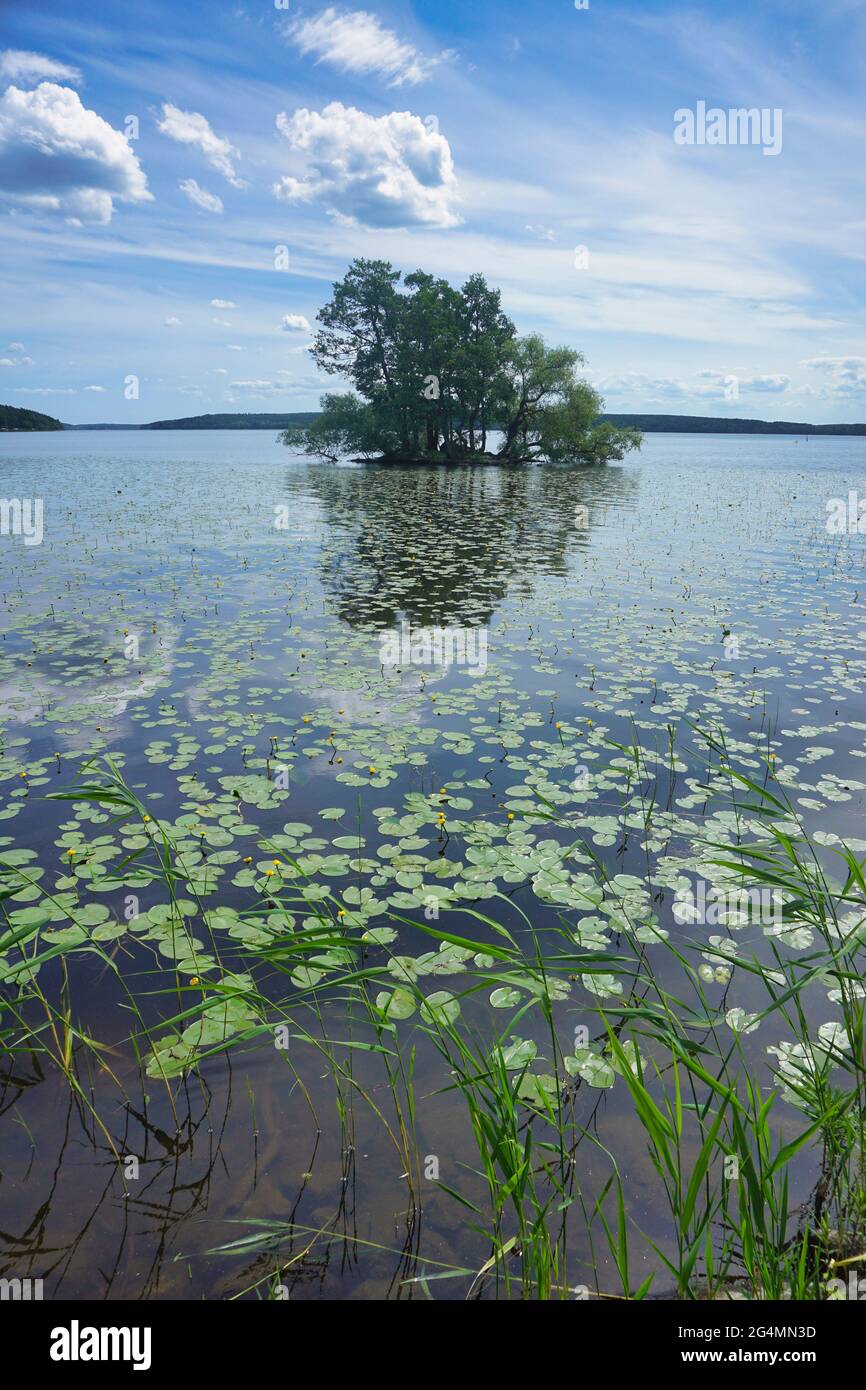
720,1149
721,1134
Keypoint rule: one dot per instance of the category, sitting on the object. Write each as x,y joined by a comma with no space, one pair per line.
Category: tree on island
438,371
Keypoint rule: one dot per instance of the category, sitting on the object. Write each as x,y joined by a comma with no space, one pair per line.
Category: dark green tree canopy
441,375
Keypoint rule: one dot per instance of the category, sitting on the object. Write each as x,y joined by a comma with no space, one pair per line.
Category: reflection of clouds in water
118,700
105,698
21,706
373,707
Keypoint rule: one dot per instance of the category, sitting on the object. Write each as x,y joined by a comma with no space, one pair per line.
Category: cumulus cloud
208,202
295,323
191,128
380,171
18,65
846,368
717,381
656,388
356,42
223,304
172,322
846,375
94,388
58,156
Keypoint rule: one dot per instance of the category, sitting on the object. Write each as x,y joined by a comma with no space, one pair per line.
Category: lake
385,740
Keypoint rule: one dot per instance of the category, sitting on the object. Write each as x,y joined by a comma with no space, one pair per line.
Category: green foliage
13,417
437,370
346,425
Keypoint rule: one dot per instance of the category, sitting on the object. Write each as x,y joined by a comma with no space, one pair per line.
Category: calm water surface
694,583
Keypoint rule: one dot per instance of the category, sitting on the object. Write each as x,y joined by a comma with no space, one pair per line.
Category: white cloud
380,171
847,375
94,388
208,202
223,304
58,156
846,368
707,384
238,391
356,42
656,388
17,64
295,323
45,390
251,385
172,323
542,233
771,384
191,128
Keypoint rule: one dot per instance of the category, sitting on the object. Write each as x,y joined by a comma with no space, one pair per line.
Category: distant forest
708,424
649,424
660,424
13,417
16,418
236,422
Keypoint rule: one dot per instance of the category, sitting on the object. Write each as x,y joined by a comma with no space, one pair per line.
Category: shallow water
694,582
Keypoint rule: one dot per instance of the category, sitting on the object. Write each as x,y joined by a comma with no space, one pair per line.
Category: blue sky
714,279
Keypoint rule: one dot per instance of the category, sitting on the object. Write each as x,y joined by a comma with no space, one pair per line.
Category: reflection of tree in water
443,546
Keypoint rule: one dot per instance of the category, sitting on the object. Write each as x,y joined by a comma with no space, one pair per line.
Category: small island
441,376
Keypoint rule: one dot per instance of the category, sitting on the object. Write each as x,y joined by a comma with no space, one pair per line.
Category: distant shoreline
16,421
650,424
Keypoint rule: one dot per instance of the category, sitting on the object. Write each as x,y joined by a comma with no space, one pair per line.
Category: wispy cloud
208,202
19,65
192,128
356,42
